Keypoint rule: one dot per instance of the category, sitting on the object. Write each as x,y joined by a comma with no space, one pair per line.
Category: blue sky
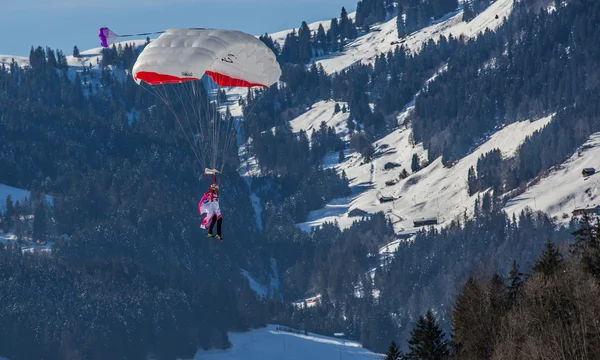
64,23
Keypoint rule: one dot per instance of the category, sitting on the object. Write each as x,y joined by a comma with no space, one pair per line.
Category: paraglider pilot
209,204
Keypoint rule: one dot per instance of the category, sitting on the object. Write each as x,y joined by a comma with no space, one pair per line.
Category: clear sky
61,24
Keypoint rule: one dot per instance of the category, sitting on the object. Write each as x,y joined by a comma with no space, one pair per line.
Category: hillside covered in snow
279,342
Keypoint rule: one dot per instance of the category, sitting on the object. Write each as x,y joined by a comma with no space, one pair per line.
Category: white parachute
173,65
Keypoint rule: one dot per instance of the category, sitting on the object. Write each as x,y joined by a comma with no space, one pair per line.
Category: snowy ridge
273,342
8,59
384,37
94,56
433,192
322,111
564,189
281,35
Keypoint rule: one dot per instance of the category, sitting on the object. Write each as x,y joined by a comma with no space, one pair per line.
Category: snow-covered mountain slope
8,59
322,111
384,37
564,188
271,343
433,192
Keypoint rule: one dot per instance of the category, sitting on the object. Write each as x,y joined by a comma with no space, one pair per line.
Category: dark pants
212,224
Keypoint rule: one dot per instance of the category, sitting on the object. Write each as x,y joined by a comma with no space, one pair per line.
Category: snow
16,194
281,35
94,56
32,249
384,37
258,288
271,343
28,246
433,192
387,251
563,188
322,111
20,60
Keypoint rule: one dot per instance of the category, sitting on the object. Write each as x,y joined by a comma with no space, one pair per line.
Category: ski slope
433,192
563,188
270,344
384,37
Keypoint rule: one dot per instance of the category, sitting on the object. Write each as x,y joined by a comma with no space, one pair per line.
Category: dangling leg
212,225
219,222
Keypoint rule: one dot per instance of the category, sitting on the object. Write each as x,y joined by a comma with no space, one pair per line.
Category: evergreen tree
40,221
414,164
333,35
427,340
393,352
76,51
347,29
587,245
468,12
321,39
8,215
550,261
336,108
515,282
341,156
304,44
472,182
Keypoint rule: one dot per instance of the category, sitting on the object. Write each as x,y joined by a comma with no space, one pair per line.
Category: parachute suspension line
187,115
217,124
216,121
142,34
195,96
164,99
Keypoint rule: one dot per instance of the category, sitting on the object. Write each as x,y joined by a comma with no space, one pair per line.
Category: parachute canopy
230,58
107,37
172,66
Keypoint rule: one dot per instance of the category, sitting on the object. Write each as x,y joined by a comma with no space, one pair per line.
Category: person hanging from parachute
173,67
209,205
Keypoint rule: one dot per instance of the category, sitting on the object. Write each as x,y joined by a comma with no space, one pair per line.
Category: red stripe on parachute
154,78
224,80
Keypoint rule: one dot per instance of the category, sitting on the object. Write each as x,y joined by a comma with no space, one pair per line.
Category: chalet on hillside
391,165
425,222
588,172
590,211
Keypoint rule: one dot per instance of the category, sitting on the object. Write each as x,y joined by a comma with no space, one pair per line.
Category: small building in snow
588,172
425,222
391,165
590,211
358,212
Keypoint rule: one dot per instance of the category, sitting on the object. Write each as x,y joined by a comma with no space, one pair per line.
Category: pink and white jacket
209,205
